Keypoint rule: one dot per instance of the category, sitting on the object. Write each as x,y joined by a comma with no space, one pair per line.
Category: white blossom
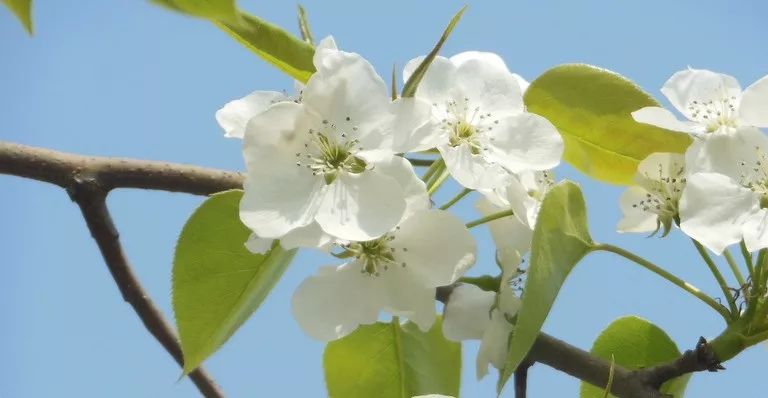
711,102
318,160
653,203
480,125
396,273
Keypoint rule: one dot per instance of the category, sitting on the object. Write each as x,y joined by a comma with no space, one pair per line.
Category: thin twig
521,379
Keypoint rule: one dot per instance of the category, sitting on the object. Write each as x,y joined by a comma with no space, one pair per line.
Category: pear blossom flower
318,160
728,186
396,273
711,102
653,204
474,314
234,115
480,125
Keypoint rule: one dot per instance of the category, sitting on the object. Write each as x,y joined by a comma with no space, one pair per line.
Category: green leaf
23,11
273,44
306,32
409,89
386,360
591,107
225,10
217,282
636,343
560,240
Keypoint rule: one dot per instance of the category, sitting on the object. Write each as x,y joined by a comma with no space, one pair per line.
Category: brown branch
88,180
521,379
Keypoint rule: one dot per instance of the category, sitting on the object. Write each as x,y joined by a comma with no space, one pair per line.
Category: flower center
663,195
329,151
714,114
374,256
465,126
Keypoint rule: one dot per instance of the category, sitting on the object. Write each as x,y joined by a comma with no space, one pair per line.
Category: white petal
310,236
326,47
663,118
486,81
754,104
661,165
725,153
435,245
472,171
524,84
406,126
258,245
493,347
635,218
756,231
438,84
235,114
511,236
362,206
699,85
467,313
713,209
415,190
525,142
349,95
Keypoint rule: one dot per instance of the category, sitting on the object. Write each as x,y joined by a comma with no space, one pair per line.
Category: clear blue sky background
130,79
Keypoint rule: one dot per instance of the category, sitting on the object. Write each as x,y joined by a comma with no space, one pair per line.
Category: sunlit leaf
211,9
560,240
636,343
23,11
591,107
387,360
217,283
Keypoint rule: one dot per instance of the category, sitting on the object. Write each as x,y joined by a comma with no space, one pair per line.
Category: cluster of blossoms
326,170
717,192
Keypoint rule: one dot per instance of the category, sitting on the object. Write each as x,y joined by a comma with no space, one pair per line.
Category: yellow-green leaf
635,343
306,31
210,9
591,107
23,11
217,282
273,44
387,360
560,240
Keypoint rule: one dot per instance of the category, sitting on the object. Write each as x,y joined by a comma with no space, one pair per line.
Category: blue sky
130,79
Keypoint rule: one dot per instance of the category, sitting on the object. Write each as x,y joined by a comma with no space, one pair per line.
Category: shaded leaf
217,282
306,32
210,9
591,107
560,240
636,343
387,360
23,11
273,44
409,89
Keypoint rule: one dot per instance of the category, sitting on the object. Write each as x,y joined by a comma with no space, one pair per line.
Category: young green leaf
306,32
387,360
409,89
217,283
560,240
635,343
591,107
273,44
23,11
224,10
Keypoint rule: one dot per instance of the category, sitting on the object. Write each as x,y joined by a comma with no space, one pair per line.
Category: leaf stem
718,276
464,192
431,170
734,267
747,258
436,182
490,217
668,276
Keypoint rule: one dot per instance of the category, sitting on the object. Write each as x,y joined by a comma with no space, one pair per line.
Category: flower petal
362,206
486,82
310,236
756,231
493,347
439,83
472,171
665,119
713,209
435,245
735,155
754,104
415,190
235,114
511,236
467,313
258,245
326,47
699,85
525,142
635,218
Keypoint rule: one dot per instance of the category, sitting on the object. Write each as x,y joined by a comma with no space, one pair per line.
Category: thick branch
91,199
60,168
